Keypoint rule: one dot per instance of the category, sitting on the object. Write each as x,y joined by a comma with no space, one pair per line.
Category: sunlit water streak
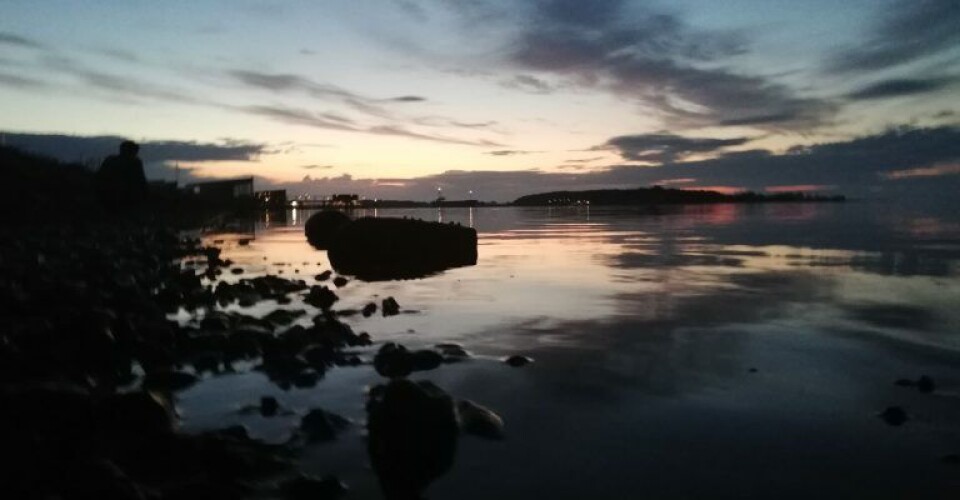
621,305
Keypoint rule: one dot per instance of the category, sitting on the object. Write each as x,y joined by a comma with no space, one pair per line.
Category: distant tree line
658,195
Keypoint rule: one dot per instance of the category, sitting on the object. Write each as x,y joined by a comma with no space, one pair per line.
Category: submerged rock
369,310
340,281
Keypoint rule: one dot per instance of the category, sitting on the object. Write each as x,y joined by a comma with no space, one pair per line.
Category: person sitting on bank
120,180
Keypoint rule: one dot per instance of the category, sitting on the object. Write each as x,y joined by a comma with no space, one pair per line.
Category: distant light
294,203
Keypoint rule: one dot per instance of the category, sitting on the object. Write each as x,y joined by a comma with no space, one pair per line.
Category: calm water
716,351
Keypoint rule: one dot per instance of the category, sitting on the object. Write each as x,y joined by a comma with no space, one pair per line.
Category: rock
284,316
323,227
168,380
305,487
453,353
390,248
320,425
479,420
340,281
894,415
393,360
321,297
324,276
425,359
369,310
517,361
237,270
269,406
390,307
925,384
413,434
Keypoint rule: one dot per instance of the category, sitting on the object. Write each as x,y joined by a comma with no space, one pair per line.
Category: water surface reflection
725,350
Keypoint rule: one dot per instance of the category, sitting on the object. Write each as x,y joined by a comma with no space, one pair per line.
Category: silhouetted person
120,180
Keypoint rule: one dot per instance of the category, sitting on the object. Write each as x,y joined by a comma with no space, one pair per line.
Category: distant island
657,195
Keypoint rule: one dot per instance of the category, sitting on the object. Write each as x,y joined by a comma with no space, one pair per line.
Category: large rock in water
322,227
388,248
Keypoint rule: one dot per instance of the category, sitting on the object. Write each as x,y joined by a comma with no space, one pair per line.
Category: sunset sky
393,99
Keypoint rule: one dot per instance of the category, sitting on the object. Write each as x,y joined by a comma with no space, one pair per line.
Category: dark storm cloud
18,41
659,61
900,87
664,147
908,31
81,148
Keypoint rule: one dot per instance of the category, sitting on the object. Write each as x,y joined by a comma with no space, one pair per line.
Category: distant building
271,200
345,200
225,192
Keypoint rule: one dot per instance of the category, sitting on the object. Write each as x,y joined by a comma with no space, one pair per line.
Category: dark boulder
369,310
340,281
412,436
390,307
389,248
393,360
323,227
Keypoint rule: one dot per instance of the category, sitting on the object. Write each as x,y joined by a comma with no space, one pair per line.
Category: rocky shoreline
90,364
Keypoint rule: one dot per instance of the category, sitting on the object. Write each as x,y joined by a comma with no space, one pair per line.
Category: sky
499,98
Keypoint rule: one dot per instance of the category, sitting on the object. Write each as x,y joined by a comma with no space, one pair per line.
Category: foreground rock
412,436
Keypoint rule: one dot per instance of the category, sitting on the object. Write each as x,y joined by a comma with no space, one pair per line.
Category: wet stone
894,416
390,307
517,361
340,281
369,310
324,276
269,406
